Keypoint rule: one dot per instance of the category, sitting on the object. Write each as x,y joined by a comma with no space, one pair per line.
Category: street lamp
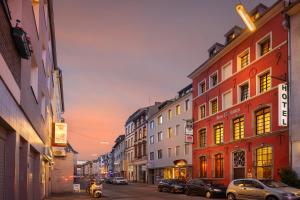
240,9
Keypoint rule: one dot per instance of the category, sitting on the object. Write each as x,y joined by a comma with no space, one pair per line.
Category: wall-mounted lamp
240,9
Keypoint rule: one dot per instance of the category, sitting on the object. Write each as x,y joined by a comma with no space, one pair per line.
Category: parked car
120,181
264,189
164,185
207,188
109,180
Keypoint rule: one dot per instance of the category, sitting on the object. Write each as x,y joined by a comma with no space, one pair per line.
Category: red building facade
235,103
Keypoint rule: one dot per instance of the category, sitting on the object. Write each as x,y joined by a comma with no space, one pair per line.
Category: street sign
189,127
60,134
189,138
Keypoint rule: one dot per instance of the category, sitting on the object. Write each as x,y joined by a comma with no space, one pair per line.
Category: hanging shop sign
60,134
59,151
189,127
282,105
189,138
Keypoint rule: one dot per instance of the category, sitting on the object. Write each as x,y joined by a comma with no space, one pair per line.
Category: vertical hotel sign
60,134
282,105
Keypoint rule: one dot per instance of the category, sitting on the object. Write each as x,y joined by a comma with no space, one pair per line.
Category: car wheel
272,198
208,194
231,196
159,190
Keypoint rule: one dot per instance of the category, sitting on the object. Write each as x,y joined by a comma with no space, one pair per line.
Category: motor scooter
96,189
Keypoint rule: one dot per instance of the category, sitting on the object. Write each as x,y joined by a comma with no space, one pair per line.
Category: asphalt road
130,192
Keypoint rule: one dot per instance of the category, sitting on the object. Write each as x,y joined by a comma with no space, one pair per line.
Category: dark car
207,188
109,180
171,185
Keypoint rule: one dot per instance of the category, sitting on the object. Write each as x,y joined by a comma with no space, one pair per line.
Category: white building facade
169,152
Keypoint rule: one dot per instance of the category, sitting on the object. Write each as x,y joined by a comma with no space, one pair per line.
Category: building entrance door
238,164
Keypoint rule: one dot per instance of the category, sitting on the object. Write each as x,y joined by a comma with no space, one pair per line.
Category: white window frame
210,106
258,82
159,122
210,79
162,136
203,81
239,90
224,93
257,44
238,59
227,64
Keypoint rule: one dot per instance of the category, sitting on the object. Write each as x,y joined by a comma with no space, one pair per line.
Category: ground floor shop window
219,168
264,162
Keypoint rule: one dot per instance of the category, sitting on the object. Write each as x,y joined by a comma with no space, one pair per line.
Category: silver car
261,190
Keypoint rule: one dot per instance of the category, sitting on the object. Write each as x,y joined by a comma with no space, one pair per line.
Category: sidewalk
69,196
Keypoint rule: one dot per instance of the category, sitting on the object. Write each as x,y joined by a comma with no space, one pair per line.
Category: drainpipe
289,87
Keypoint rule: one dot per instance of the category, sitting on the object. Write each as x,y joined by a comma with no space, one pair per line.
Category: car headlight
217,190
288,194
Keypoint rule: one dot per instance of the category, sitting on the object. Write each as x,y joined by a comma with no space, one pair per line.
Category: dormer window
233,33
213,80
215,49
258,11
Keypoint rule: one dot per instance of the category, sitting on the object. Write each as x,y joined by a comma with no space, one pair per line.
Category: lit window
219,133
159,154
159,119
202,112
170,132
160,136
227,71
244,92
202,138
201,88
203,167
219,162
178,110
264,162
177,150
264,82
169,114
238,128
263,121
214,106
264,46
213,80
227,100
243,59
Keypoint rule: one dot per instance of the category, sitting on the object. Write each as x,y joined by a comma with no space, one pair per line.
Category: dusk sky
120,55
